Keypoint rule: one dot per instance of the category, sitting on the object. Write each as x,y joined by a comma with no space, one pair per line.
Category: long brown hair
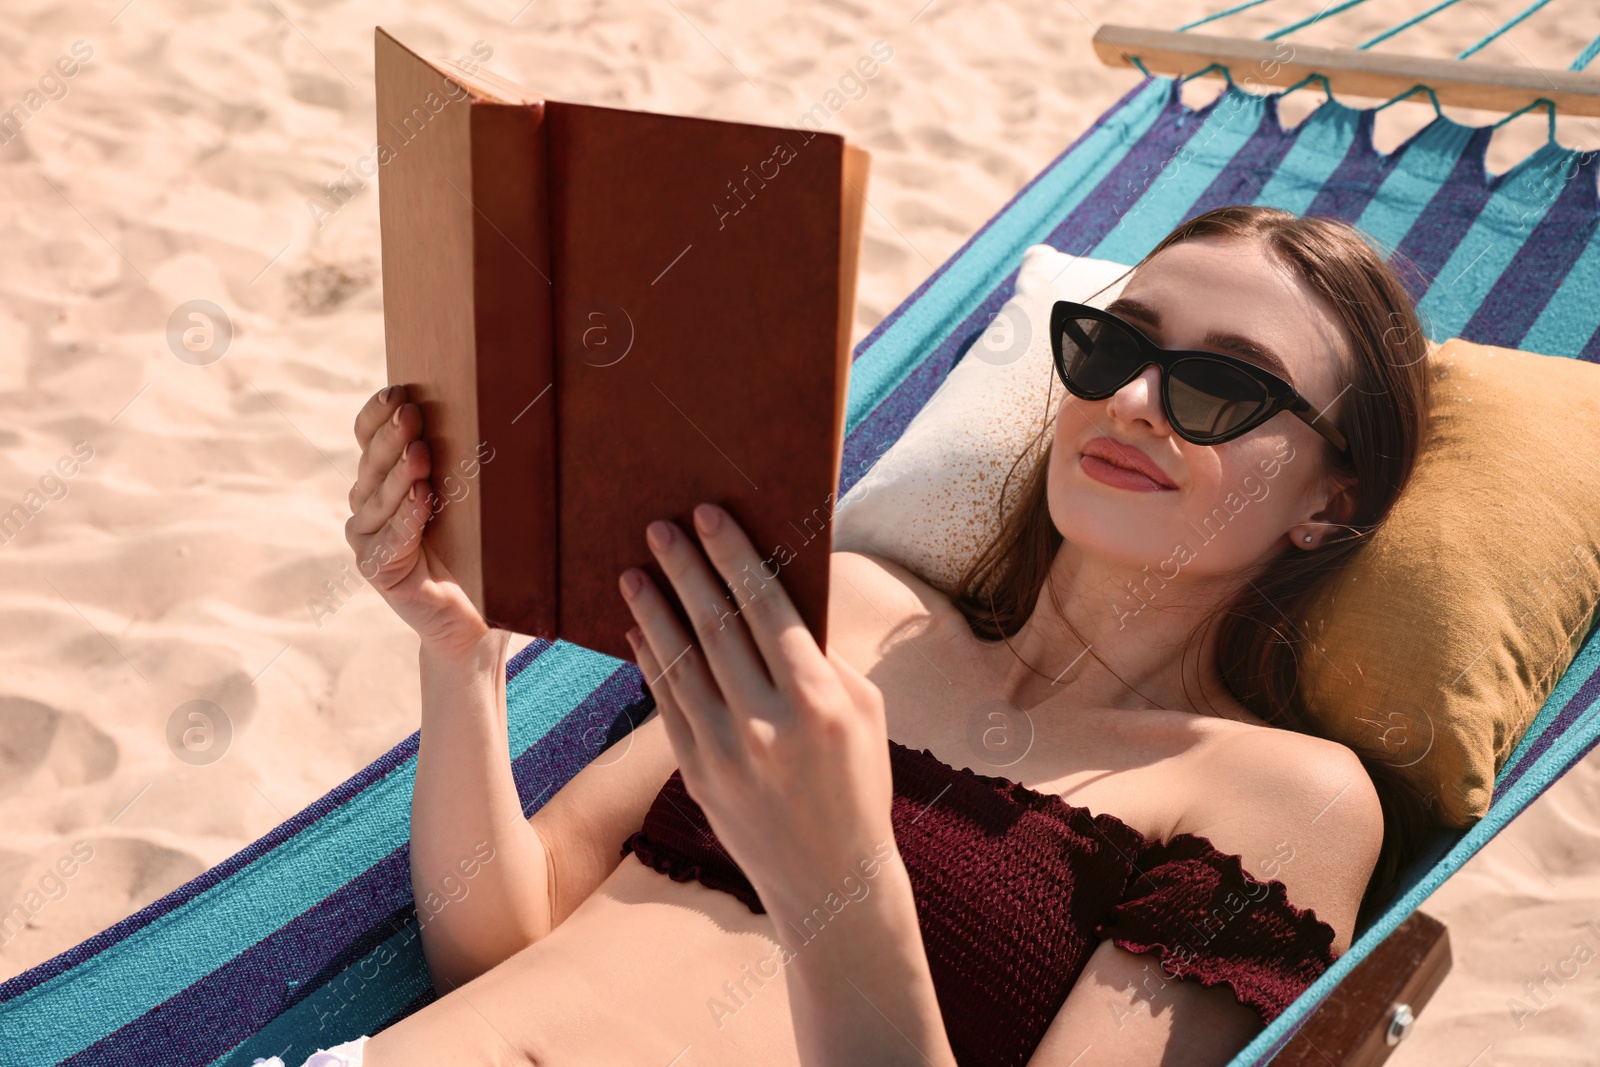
1384,420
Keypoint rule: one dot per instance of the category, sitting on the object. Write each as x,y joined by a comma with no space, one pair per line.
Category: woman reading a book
1171,858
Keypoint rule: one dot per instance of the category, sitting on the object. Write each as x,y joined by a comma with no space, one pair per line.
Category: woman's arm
859,984
530,874
785,747
479,872
1124,1011
487,882
1303,812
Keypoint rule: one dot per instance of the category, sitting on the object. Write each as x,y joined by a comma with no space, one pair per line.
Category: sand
202,152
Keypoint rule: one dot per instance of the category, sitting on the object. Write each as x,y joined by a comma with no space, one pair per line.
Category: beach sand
183,558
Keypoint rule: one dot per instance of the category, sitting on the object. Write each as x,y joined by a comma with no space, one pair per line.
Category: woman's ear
1330,520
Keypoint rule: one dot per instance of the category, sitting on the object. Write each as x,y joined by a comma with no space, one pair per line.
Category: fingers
389,428
376,411
386,532
733,658
764,610
387,556
412,467
679,732
683,672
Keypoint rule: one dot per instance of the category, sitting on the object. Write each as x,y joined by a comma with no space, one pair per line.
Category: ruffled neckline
1055,805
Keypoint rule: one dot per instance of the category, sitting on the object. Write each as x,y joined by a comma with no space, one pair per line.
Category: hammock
308,937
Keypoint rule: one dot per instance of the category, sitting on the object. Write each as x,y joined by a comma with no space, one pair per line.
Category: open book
607,317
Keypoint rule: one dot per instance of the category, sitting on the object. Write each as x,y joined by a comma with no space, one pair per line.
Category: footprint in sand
45,747
50,910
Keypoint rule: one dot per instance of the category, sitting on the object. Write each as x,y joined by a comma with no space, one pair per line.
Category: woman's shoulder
878,568
870,590
1247,745
1295,808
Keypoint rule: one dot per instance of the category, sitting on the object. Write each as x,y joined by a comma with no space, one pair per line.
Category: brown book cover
607,317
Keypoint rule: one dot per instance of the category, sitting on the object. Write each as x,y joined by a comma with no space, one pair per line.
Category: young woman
1172,855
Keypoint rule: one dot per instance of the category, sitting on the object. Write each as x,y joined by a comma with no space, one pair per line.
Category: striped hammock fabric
308,937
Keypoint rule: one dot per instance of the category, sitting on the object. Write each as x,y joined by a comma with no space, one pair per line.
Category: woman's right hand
390,506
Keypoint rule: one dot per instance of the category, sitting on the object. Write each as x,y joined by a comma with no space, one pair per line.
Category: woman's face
1223,508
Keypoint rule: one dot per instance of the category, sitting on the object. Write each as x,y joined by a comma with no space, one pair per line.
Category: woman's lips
1120,477
1111,463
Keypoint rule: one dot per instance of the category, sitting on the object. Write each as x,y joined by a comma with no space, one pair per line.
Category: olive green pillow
1451,627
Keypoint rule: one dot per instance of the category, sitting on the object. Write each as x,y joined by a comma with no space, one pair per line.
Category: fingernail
411,494
387,395
659,534
631,583
396,417
708,518
634,636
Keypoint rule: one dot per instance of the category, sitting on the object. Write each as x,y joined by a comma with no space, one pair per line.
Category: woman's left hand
783,746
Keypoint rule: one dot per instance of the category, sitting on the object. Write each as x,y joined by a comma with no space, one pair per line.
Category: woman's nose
1140,400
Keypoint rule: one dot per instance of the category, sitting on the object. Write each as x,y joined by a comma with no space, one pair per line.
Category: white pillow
930,502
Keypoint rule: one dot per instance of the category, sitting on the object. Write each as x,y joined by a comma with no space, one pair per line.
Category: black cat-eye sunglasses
1209,397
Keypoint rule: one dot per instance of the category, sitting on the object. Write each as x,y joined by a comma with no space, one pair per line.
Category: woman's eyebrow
1232,343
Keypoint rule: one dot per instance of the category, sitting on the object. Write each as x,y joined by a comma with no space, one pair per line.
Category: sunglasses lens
1097,357
1210,398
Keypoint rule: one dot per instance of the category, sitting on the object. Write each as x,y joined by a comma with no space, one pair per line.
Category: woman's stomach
646,971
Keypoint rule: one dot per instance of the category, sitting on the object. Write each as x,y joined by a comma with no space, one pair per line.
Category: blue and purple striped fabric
307,938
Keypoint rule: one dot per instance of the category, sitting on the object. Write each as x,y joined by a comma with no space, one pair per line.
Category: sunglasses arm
1302,409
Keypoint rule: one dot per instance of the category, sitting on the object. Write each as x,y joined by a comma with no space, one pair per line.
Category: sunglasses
1209,397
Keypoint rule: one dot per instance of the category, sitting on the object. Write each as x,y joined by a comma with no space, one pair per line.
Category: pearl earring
1308,539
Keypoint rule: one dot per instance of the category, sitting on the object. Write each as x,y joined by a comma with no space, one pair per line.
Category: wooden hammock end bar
1357,72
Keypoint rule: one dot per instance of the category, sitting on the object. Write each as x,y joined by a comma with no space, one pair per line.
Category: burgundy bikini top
1015,889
